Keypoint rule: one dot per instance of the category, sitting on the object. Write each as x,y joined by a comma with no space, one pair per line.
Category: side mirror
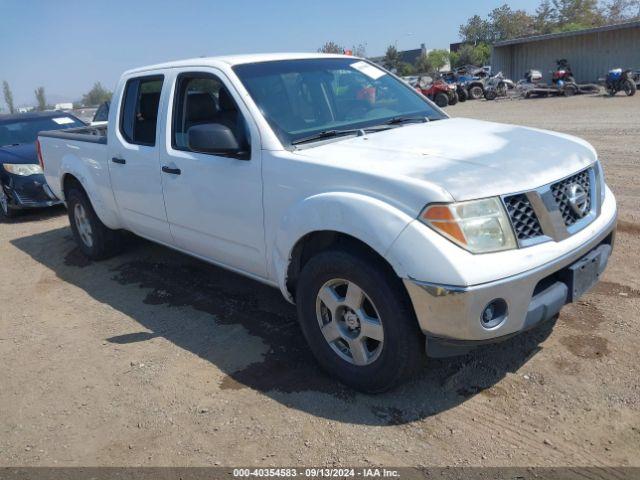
213,138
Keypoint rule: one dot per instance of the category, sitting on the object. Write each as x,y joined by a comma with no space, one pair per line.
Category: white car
333,180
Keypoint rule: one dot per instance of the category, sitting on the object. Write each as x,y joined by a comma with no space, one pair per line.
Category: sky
67,45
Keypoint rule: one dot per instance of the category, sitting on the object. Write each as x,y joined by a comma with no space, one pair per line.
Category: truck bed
92,134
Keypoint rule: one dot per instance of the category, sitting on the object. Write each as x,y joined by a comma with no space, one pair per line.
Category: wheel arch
321,240
69,179
346,219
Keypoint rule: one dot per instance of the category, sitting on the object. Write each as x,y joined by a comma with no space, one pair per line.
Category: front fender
96,183
368,219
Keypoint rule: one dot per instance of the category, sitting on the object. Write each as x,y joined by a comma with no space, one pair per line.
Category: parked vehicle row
330,179
474,83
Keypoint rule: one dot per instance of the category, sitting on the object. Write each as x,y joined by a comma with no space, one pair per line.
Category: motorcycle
619,80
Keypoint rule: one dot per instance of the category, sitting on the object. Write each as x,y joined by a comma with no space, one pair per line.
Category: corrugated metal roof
550,36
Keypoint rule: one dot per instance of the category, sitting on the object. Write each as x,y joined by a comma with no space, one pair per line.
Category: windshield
301,98
25,130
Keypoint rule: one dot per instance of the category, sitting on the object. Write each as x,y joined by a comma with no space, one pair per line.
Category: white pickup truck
393,228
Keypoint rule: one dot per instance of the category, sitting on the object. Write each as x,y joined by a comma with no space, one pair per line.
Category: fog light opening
494,313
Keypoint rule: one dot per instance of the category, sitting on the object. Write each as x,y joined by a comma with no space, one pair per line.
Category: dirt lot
153,358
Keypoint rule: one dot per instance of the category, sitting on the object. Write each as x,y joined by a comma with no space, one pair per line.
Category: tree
545,18
405,69
617,11
391,58
438,58
423,65
506,23
8,96
96,96
476,30
41,98
578,13
331,47
359,50
470,55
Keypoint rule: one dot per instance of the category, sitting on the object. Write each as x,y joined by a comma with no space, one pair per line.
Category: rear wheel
441,99
629,88
490,94
6,210
358,320
94,238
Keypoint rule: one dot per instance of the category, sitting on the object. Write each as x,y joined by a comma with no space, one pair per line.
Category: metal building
591,53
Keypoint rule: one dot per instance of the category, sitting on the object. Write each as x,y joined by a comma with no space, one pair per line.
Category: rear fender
367,219
96,184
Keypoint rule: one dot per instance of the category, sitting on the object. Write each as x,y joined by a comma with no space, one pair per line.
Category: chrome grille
524,220
559,191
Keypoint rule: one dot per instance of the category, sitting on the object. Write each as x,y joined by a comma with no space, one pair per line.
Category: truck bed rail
96,134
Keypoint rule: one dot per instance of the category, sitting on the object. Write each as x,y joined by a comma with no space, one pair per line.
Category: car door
213,200
134,161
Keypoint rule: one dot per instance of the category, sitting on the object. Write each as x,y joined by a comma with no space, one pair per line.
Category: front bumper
29,192
450,316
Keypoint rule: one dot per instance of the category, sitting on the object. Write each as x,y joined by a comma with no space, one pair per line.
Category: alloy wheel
83,225
349,322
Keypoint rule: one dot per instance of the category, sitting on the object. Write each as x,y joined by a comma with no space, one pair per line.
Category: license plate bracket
584,274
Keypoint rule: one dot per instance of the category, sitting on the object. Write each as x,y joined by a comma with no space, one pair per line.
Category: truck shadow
210,301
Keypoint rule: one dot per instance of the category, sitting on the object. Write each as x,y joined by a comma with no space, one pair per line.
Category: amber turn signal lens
441,218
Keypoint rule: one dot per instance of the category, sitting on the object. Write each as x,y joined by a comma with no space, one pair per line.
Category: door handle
172,171
121,161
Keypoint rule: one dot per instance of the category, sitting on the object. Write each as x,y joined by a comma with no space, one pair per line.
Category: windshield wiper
399,120
327,134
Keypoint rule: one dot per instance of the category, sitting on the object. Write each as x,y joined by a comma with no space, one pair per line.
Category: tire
462,95
475,92
453,99
441,99
94,238
490,94
382,365
5,210
629,88
569,90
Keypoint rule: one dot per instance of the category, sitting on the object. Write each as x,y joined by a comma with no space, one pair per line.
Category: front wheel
629,88
453,99
441,99
358,320
94,238
476,92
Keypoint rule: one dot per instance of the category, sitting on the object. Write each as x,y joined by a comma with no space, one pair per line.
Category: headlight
480,226
22,169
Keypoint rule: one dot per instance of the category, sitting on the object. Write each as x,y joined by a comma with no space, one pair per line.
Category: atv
497,86
440,92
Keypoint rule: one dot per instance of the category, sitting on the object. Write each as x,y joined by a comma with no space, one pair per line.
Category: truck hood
21,153
468,158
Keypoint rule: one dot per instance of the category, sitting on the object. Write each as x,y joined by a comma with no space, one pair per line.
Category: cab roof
235,60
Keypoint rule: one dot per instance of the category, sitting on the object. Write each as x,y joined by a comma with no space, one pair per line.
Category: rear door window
139,118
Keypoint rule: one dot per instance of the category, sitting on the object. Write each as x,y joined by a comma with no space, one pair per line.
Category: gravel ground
153,358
